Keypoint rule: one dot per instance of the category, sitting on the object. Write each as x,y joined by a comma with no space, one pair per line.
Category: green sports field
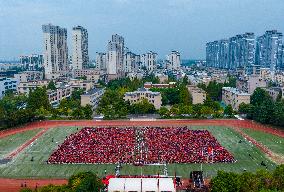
40,150
274,143
10,143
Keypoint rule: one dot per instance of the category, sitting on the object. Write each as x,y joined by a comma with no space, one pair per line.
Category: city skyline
160,26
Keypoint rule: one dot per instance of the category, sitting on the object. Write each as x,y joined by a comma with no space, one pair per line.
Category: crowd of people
142,145
182,145
96,145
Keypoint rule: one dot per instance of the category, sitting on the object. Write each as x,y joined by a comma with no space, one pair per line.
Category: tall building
149,60
32,62
100,61
115,52
55,52
269,50
128,62
80,56
235,52
173,60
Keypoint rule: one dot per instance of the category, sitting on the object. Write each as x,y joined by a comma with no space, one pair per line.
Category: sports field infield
247,155
10,143
273,142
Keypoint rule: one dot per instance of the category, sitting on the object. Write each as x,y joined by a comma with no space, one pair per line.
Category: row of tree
263,108
85,181
20,109
249,182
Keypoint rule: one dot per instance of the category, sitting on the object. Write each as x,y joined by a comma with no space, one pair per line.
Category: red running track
231,123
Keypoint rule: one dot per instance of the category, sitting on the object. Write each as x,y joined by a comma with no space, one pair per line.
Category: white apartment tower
55,52
173,60
129,62
149,60
80,56
115,52
101,61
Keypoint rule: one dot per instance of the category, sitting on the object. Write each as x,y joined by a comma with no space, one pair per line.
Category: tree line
16,110
263,108
262,180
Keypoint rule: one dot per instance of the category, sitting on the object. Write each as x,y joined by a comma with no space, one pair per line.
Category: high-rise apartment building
149,60
32,62
128,62
55,52
115,52
173,60
80,56
269,50
235,52
100,61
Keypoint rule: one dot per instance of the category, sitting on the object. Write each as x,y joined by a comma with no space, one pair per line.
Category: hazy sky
158,25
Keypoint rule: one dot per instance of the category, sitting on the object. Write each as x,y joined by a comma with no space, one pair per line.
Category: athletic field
31,161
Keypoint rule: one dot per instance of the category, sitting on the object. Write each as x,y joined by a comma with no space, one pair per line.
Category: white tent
135,184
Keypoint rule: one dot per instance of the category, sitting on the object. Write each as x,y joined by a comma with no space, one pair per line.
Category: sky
146,25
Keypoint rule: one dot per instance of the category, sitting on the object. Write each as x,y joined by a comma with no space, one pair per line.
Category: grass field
10,143
274,143
23,167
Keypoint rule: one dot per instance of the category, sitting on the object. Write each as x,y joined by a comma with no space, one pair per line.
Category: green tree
184,96
76,94
38,98
229,110
88,111
142,107
85,182
51,85
227,182
278,178
164,112
112,105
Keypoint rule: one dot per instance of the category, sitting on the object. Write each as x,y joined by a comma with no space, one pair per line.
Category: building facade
55,54
198,95
101,61
235,52
232,96
269,50
115,52
154,98
32,62
7,84
80,56
29,76
92,97
174,60
149,60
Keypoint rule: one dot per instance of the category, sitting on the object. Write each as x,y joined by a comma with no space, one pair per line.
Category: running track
13,185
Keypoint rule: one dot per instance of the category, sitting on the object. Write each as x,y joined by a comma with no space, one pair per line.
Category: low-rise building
275,91
149,85
55,96
7,84
89,74
232,96
92,97
26,87
86,85
198,95
154,98
29,76
249,83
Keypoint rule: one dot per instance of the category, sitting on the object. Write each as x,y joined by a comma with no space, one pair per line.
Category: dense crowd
181,145
145,145
96,145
